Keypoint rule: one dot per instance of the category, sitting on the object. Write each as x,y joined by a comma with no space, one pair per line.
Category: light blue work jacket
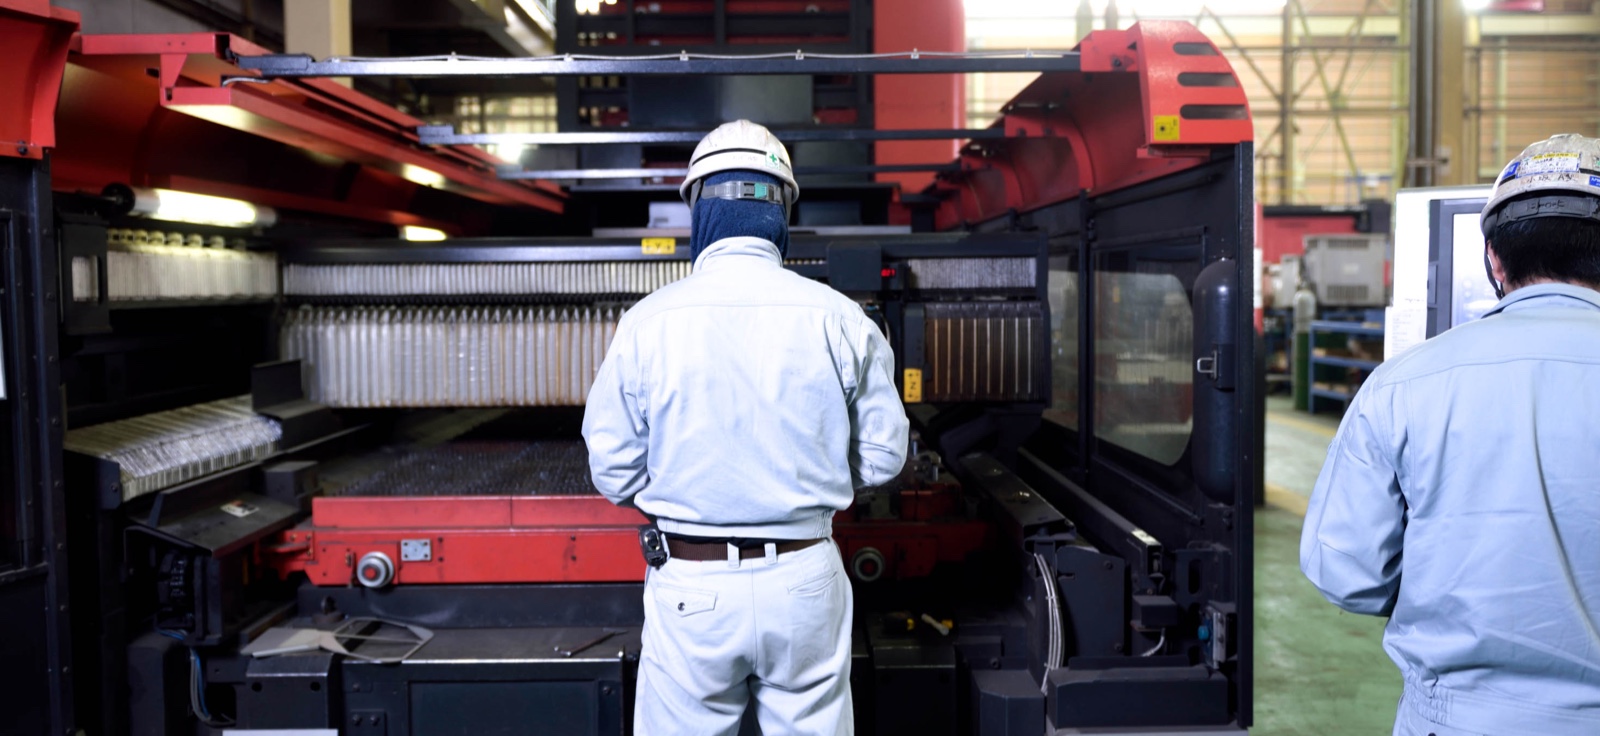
1461,497
745,401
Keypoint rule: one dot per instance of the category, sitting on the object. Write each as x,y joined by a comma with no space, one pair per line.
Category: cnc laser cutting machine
282,469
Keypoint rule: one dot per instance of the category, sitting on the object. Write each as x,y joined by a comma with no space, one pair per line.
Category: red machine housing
31,84
1148,102
572,539
133,109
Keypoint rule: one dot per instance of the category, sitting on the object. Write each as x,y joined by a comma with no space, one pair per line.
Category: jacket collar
730,250
1587,296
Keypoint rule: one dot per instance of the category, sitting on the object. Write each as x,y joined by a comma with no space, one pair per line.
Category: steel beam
563,174
275,66
445,135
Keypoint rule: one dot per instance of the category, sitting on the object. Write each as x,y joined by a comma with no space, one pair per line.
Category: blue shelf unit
1319,397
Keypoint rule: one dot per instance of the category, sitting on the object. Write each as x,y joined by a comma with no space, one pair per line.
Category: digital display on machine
1458,287
1471,294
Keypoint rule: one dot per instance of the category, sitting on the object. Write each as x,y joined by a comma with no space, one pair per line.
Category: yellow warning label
1166,128
913,385
659,246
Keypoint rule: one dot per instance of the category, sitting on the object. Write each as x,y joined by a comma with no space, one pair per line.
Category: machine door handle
1218,366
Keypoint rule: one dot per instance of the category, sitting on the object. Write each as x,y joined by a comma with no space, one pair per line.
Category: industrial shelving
1326,327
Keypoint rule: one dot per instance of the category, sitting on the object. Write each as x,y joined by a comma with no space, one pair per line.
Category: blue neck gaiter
714,219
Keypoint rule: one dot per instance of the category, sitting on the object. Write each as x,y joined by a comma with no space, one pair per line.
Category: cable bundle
145,265
461,279
158,450
371,357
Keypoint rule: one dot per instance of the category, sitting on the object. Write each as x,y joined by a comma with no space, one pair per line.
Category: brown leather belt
710,551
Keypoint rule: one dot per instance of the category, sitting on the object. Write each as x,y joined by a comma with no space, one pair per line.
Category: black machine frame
35,607
1184,526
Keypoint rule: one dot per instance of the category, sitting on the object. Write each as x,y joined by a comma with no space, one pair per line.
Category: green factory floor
1318,670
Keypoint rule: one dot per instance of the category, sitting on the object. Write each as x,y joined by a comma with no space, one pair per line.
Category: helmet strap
748,190
1488,268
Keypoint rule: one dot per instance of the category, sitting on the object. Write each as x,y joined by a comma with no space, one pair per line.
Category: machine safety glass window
1144,361
1063,288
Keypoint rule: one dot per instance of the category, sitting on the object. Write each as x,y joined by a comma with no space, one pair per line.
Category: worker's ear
1495,268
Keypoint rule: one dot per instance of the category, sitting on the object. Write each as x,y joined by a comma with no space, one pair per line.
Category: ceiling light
197,209
419,175
417,232
1476,6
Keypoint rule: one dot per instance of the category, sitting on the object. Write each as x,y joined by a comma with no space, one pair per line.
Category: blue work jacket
1461,498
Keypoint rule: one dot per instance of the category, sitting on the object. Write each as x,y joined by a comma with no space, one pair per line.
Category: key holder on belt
653,545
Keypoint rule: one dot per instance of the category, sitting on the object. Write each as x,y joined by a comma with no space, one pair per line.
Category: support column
1451,97
1438,38
917,100
1286,100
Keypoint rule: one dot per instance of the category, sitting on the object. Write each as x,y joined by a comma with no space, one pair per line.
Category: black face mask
715,219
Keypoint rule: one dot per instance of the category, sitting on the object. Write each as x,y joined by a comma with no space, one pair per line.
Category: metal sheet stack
406,356
164,449
151,265
973,273
482,279
466,468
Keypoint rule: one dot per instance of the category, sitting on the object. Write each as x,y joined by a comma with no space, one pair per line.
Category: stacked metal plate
466,468
481,279
164,449
973,273
151,265
370,357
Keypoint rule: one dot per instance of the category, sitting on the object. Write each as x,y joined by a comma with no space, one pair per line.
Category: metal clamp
1206,365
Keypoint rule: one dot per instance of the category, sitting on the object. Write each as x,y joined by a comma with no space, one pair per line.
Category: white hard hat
739,146
1563,169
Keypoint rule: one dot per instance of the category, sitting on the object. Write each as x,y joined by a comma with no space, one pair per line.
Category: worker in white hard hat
740,408
1461,494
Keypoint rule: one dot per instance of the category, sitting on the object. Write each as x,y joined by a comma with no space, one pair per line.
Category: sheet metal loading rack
1121,108
568,65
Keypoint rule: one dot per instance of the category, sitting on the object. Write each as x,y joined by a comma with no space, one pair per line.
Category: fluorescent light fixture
538,12
417,232
1476,6
1188,8
1032,9
509,152
199,209
419,175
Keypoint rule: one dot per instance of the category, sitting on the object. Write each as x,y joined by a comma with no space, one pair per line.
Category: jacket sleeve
615,425
1350,546
879,430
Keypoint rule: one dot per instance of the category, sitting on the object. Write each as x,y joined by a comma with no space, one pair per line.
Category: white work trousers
718,633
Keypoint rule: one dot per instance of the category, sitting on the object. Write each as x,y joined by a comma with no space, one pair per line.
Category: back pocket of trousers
684,601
